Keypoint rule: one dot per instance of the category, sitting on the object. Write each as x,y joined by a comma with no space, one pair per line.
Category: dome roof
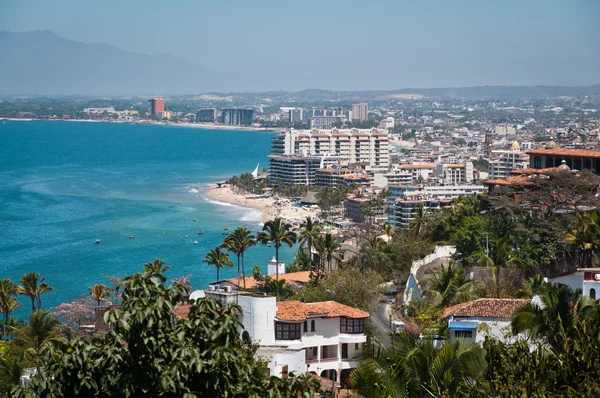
515,145
563,166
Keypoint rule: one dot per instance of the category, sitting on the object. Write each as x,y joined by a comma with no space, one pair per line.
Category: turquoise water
65,184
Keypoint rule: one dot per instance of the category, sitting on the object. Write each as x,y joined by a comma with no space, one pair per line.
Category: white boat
195,242
97,242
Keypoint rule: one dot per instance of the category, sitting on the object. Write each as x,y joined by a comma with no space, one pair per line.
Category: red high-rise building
156,105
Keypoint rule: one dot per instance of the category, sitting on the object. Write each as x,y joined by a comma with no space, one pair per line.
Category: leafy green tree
32,286
146,353
279,232
419,222
218,258
350,286
8,303
412,367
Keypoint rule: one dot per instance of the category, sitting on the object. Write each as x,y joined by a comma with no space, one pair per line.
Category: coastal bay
65,185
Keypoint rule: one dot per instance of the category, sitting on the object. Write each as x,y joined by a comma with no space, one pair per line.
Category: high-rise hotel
155,106
297,154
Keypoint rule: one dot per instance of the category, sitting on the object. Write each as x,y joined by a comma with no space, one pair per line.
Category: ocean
64,185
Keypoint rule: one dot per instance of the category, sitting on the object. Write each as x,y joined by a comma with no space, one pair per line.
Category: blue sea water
65,184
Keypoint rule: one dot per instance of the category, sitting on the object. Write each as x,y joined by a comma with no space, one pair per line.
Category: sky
343,45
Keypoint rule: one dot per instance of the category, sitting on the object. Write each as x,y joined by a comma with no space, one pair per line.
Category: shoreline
207,126
266,207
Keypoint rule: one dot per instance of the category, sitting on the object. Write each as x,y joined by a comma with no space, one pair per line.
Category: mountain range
42,63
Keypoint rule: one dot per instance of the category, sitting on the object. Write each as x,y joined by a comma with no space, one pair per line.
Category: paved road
381,320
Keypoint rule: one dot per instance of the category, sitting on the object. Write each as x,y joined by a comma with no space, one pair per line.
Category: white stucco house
474,320
320,338
586,279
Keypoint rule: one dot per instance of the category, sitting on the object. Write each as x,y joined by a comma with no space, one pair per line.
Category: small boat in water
200,232
131,236
226,229
195,242
97,242
195,219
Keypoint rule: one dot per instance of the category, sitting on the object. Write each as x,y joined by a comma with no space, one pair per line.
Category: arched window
312,326
305,328
593,294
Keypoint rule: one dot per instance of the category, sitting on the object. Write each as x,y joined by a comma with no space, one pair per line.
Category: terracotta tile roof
301,277
565,152
182,310
485,307
299,311
515,180
456,165
529,170
418,166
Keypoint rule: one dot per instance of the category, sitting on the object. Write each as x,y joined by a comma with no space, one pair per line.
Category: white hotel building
368,146
296,154
321,338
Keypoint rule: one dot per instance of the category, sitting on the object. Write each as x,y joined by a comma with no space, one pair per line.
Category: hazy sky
350,44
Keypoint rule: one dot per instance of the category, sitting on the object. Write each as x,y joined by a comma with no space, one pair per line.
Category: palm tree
99,292
553,316
8,303
33,286
388,230
38,336
419,221
309,235
237,243
158,266
412,367
500,257
329,245
279,232
449,286
218,258
245,240
585,237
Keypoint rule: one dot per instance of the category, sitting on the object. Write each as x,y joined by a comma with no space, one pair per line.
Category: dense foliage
148,352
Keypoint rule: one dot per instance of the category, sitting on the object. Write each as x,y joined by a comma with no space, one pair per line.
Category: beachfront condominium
365,146
156,105
206,115
360,112
298,169
237,116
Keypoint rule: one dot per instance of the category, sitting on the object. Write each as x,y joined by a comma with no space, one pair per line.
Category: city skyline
340,46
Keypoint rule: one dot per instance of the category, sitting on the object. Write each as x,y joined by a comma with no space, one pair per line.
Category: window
356,346
537,162
463,334
593,294
287,331
305,328
352,326
345,350
312,326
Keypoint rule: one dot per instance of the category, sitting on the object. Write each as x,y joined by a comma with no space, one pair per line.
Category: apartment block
366,146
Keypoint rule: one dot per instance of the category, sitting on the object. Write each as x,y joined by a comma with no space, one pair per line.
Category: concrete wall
412,290
294,361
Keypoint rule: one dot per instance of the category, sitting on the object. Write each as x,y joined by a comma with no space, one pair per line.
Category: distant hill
42,63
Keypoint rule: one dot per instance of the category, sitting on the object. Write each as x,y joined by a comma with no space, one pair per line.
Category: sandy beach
265,205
